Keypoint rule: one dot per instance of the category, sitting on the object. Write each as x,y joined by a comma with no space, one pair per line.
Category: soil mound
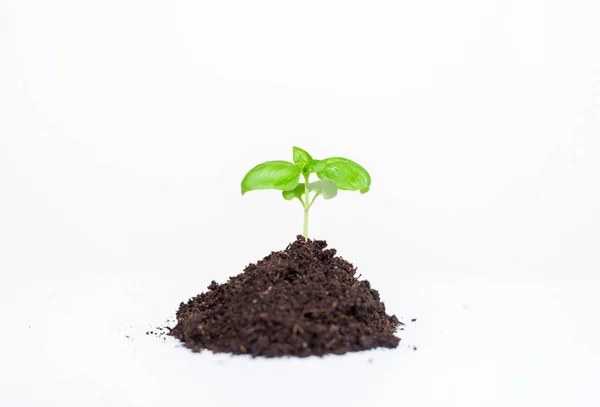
301,301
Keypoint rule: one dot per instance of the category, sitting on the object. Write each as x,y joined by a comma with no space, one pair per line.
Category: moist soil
301,301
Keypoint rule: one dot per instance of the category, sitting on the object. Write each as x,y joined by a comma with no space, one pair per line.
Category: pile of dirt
301,301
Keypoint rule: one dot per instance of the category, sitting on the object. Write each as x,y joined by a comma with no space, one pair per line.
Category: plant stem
305,224
313,200
306,208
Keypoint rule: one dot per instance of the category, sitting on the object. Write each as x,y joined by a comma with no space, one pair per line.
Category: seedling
335,173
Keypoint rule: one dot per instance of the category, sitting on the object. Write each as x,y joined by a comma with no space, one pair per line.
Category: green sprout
334,173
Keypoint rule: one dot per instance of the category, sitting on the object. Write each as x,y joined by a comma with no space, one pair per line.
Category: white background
125,130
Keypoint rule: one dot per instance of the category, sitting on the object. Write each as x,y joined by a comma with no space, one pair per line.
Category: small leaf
301,157
347,174
281,175
324,187
313,166
295,193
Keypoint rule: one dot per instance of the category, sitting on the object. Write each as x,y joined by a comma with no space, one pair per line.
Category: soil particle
301,301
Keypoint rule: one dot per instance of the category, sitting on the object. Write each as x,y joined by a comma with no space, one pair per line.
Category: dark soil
302,301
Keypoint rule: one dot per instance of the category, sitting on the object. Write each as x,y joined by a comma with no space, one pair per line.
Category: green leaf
325,187
347,174
295,193
301,157
281,175
313,166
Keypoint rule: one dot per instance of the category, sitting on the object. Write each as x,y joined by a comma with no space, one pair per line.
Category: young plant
334,173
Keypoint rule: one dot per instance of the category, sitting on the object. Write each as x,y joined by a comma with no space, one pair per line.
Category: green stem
313,200
305,224
306,207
